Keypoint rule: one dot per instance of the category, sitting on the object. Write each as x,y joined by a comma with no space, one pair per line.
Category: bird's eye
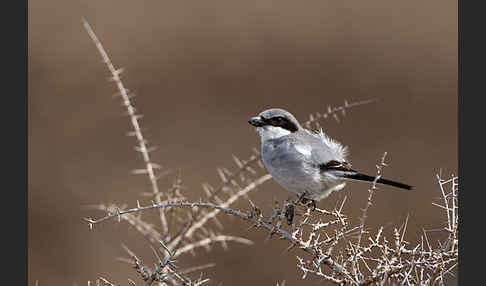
278,121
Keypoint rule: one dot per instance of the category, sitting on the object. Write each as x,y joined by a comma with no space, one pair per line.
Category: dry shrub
331,248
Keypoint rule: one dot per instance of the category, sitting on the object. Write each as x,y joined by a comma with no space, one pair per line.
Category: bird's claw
290,209
289,214
308,203
311,205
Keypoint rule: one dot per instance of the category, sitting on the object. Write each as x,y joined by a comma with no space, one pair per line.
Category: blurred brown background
200,69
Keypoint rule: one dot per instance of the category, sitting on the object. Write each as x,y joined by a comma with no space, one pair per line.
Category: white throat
272,132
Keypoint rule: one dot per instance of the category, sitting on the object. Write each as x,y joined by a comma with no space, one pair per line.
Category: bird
308,163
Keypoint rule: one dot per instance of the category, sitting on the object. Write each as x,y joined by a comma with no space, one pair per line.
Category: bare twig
142,147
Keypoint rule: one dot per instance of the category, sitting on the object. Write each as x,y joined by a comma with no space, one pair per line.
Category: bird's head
274,123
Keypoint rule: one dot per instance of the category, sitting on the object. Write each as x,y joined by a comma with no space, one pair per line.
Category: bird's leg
309,203
312,205
290,208
302,198
289,214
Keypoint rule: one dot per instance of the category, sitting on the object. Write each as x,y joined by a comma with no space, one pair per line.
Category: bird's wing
330,156
325,149
334,165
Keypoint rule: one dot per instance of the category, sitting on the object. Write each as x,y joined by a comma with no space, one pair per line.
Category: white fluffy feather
341,151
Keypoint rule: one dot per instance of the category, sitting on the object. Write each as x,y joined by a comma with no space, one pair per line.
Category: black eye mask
282,122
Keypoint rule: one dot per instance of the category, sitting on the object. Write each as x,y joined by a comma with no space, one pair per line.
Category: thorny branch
382,260
142,147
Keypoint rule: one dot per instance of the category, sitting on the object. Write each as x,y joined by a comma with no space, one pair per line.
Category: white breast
272,132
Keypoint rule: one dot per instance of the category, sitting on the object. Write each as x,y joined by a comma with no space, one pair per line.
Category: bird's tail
363,177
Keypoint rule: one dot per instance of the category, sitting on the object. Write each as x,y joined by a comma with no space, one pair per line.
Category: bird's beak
256,121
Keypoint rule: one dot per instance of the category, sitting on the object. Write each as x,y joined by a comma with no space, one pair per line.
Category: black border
14,141
471,119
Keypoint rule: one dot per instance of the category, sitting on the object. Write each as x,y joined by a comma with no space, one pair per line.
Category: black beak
256,121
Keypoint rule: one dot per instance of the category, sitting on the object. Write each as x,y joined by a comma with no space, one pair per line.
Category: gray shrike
304,162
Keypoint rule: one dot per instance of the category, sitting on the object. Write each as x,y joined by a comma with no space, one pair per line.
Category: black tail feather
363,177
